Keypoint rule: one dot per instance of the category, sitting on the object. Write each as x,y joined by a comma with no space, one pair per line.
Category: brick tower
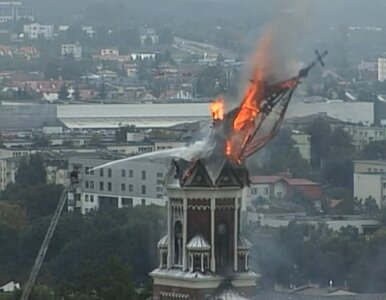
204,255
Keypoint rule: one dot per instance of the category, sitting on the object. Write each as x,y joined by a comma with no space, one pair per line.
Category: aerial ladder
69,190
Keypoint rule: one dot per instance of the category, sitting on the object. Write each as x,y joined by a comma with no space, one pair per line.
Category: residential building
363,135
370,181
113,55
35,30
74,50
283,187
381,69
370,166
8,169
15,11
143,56
128,183
302,143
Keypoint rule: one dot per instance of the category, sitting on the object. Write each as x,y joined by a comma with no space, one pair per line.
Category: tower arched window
178,243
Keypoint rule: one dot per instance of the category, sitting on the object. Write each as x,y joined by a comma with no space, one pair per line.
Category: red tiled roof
299,181
264,179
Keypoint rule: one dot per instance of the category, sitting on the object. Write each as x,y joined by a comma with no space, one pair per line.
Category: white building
126,184
35,30
8,169
381,69
74,50
15,11
142,56
10,287
370,181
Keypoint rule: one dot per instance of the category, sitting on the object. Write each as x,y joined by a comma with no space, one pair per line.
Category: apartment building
125,184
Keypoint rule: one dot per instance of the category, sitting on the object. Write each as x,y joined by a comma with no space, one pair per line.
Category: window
131,173
159,189
254,191
265,191
101,172
109,186
143,189
91,184
123,187
143,175
86,198
123,173
87,170
127,202
143,202
159,182
160,175
86,183
101,186
130,188
91,198
92,172
109,172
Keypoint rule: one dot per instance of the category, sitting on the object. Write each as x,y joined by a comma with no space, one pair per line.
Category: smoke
202,145
275,57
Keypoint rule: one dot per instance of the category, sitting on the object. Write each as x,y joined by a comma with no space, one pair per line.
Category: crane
47,238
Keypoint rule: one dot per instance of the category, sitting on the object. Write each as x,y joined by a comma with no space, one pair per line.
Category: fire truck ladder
46,242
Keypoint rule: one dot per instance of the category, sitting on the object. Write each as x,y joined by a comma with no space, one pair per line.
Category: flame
228,148
217,109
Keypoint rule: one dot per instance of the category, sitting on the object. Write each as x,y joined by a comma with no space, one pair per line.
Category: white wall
366,185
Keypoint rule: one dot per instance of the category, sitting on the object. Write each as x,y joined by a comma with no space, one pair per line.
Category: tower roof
206,173
198,243
230,294
163,242
244,243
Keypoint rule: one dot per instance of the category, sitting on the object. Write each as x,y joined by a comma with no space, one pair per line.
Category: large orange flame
217,109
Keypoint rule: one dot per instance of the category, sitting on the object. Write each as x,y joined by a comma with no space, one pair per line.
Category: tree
374,150
63,93
102,93
211,81
319,130
111,279
121,133
96,139
31,170
76,94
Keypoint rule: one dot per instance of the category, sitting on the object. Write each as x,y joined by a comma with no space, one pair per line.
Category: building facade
370,181
363,135
15,11
283,187
74,50
125,184
204,255
35,30
302,143
381,69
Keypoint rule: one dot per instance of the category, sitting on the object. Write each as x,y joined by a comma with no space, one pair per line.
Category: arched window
222,247
178,243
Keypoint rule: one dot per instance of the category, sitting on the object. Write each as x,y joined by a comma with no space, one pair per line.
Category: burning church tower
204,253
